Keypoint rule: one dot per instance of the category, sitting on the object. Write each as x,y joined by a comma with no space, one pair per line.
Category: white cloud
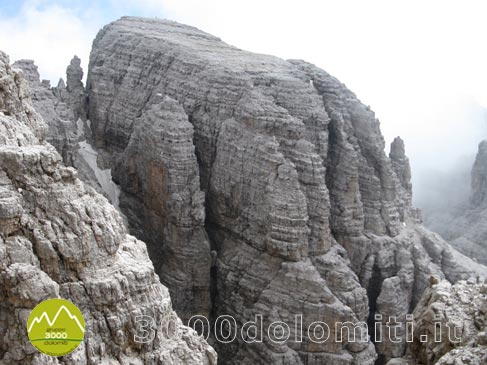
51,35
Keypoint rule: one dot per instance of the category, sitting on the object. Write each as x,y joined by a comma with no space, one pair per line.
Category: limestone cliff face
277,168
59,237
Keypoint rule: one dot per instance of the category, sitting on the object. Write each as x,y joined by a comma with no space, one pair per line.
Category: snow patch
104,177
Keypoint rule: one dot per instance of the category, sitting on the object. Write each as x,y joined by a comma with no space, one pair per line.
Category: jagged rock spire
75,90
400,163
74,74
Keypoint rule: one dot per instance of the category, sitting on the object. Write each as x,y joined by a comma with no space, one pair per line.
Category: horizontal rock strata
304,212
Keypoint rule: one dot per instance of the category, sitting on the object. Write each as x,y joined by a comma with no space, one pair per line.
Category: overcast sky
420,65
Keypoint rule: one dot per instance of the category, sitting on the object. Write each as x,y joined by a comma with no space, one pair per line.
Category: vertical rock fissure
373,291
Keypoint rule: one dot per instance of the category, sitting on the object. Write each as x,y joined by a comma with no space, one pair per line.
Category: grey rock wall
58,237
159,174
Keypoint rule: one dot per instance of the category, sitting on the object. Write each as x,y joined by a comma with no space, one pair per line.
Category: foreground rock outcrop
58,237
450,326
263,182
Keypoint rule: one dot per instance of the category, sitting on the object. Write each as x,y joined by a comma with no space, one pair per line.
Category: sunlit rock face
59,238
262,183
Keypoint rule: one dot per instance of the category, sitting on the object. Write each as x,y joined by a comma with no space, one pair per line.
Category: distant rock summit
467,229
478,197
260,187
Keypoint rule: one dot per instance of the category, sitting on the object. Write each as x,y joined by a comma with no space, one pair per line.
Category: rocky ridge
59,238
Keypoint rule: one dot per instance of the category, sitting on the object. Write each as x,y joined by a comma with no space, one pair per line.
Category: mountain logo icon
56,327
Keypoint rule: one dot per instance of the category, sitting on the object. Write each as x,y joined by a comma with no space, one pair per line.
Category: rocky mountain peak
260,186
275,171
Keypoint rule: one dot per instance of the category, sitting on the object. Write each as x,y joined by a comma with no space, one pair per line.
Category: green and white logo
56,327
